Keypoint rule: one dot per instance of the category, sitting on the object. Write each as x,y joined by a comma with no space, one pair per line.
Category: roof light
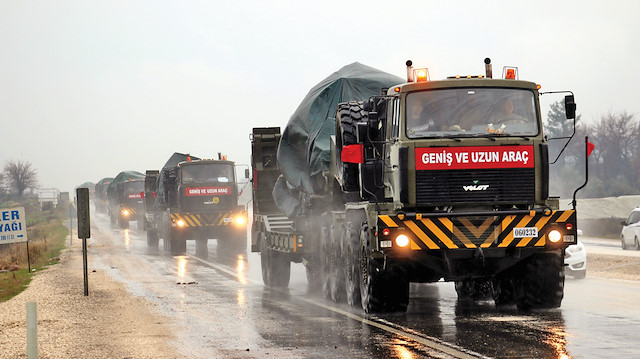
396,89
510,73
421,75
538,87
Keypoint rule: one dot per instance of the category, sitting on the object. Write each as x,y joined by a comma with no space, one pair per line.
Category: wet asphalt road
218,307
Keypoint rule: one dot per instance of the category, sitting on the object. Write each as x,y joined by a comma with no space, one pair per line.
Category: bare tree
20,175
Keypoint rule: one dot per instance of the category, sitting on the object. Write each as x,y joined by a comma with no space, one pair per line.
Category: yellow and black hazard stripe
207,219
456,232
132,211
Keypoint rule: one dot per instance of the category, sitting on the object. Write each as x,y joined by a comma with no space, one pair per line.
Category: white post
32,331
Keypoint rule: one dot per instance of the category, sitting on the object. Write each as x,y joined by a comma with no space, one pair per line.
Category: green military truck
125,197
420,182
195,199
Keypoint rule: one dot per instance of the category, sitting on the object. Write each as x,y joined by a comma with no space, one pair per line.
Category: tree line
614,163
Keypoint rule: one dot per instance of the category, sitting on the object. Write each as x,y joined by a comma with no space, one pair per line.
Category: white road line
434,343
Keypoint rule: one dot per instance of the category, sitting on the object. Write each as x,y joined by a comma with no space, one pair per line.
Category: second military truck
194,199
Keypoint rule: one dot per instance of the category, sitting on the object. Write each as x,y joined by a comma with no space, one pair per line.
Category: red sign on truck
207,191
474,157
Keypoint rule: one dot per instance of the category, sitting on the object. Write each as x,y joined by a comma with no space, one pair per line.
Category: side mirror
624,223
246,173
570,106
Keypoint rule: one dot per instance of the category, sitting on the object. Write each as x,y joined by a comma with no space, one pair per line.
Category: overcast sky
92,88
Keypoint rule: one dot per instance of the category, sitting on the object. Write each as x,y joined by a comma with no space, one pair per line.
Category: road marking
431,342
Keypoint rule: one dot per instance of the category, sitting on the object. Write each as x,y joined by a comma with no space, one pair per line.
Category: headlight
555,236
402,240
125,212
240,220
180,223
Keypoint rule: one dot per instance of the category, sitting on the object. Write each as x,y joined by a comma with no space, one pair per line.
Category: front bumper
492,230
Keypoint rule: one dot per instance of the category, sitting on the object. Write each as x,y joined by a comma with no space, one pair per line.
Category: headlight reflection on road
182,266
241,269
127,239
242,278
401,351
558,341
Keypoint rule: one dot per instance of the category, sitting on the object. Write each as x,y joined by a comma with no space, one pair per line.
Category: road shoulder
109,323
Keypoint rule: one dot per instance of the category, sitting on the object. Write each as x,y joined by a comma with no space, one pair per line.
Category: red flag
352,154
590,147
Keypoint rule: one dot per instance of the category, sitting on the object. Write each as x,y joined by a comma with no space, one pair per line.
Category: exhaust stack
410,77
487,68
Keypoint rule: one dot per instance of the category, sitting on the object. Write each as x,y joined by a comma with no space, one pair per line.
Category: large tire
503,291
347,115
541,283
474,289
325,261
276,267
174,243
152,238
372,283
336,266
351,261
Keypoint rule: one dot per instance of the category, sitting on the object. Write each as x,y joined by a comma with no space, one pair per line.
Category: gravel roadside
113,323
109,323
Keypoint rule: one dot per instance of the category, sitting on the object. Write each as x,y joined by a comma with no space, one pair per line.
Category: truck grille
496,186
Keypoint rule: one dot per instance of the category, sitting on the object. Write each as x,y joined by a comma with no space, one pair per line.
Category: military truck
125,196
101,202
377,182
195,199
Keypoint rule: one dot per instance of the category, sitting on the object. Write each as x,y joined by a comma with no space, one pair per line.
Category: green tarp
305,145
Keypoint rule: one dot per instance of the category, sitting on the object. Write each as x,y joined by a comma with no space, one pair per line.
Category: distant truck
420,182
101,201
125,196
194,199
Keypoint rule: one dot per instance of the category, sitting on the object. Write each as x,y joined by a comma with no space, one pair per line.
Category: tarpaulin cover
304,148
172,162
176,158
122,177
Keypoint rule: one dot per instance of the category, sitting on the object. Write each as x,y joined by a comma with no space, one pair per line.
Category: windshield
211,172
471,112
134,187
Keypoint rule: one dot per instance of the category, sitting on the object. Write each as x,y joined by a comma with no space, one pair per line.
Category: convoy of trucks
377,182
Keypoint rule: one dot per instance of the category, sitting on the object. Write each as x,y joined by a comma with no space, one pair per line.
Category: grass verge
47,235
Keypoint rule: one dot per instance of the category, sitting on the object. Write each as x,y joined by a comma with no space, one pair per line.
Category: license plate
525,232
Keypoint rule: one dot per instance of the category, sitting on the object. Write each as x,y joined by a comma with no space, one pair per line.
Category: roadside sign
13,228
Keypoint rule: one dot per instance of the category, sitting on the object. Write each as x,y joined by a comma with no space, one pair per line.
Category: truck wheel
474,289
372,285
152,239
541,285
348,114
336,264
503,291
202,247
351,268
325,261
276,267
174,243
